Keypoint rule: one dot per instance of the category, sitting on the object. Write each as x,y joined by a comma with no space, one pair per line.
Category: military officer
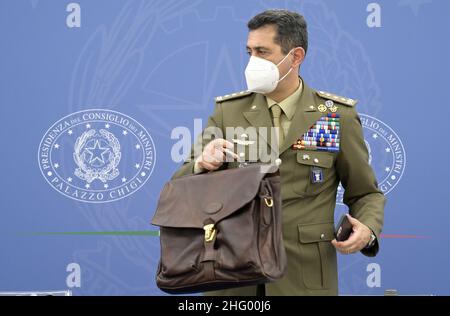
319,143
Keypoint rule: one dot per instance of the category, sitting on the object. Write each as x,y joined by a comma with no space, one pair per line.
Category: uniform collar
289,104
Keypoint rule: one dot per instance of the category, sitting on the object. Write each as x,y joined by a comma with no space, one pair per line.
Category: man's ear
299,56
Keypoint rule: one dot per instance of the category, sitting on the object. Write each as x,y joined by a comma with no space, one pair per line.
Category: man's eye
249,53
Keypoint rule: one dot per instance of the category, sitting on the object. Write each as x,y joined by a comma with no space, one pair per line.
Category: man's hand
358,239
214,154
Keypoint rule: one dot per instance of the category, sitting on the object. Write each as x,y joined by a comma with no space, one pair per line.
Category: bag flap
191,200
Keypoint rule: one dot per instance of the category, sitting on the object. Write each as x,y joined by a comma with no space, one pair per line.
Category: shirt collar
288,105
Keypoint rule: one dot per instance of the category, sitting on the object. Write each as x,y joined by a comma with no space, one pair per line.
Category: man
320,143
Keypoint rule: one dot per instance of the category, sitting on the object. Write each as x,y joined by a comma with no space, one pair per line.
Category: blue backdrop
158,65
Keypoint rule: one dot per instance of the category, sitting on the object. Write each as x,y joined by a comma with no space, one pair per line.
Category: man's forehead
262,37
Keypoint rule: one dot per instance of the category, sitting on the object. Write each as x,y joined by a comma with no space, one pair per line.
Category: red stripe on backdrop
396,236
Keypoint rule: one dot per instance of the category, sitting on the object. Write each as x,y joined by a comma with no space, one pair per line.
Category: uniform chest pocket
314,169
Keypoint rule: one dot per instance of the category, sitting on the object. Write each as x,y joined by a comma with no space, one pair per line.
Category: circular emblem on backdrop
386,154
96,156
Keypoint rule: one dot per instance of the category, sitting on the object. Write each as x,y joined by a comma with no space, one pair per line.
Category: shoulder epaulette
343,100
232,96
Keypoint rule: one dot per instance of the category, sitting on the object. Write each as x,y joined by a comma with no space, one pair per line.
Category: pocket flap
309,233
315,158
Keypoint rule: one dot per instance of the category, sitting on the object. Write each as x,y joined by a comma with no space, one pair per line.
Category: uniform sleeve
362,196
214,124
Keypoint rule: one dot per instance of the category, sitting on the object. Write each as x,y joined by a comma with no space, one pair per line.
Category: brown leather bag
220,229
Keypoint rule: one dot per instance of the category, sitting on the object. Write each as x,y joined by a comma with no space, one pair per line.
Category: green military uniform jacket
308,208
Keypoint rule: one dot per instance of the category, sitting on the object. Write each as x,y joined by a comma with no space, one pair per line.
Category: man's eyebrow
258,48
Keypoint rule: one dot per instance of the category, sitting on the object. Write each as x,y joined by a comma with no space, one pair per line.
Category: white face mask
262,76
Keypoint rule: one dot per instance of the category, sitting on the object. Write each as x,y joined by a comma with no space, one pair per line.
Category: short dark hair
291,28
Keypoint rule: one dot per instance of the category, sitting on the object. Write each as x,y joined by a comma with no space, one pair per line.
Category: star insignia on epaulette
232,96
336,98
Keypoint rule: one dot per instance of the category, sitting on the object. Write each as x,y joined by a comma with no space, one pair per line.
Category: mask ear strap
289,69
285,75
285,57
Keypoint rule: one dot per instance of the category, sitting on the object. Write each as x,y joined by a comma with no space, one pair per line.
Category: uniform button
278,161
253,107
305,157
241,154
311,107
316,160
322,236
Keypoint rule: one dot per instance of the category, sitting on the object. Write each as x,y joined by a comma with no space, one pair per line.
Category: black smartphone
343,229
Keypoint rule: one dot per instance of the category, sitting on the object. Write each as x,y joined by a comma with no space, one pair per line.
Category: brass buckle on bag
210,232
269,201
